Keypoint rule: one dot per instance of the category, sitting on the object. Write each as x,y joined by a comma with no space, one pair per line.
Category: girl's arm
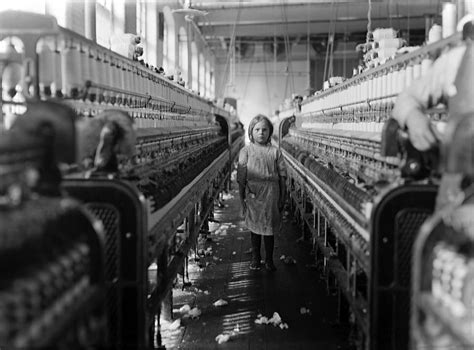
282,200
242,177
242,197
281,167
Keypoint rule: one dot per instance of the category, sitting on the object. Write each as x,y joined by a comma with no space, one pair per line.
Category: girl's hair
257,120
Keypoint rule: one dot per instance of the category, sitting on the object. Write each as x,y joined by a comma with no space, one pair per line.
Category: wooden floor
224,274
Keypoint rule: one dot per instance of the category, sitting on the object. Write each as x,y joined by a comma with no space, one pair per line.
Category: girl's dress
259,170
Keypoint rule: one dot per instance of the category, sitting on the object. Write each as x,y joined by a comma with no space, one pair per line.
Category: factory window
166,46
169,39
208,79
141,18
213,84
147,28
104,16
118,16
202,74
183,53
151,34
194,67
141,25
75,14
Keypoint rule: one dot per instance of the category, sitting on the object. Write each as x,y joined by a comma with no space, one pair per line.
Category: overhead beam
276,28
303,21
314,11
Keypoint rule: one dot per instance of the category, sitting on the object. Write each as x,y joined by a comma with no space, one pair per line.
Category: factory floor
220,272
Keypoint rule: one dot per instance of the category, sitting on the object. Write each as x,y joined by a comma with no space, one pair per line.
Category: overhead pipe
340,19
236,4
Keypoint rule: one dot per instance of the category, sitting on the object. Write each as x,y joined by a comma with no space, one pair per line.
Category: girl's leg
269,242
256,241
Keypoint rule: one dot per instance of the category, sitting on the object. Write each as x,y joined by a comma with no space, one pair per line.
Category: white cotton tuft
305,310
185,309
222,338
221,302
195,312
262,320
275,320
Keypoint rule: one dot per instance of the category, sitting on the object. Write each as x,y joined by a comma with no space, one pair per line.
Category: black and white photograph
237,174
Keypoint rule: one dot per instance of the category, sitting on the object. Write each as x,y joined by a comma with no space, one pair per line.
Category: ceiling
269,21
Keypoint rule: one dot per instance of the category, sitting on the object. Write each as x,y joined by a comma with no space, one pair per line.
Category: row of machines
361,193
108,173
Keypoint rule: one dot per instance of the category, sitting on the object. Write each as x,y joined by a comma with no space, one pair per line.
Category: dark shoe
255,266
270,266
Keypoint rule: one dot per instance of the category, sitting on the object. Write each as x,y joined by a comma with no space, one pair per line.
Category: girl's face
261,132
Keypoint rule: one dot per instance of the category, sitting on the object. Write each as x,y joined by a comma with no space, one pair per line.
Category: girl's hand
281,205
244,207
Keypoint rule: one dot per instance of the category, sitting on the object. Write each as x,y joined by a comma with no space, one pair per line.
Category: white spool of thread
161,87
11,80
127,77
354,88
149,83
409,75
101,76
416,70
370,85
57,84
140,80
153,84
47,65
136,79
435,33
426,65
394,87
385,85
85,64
130,81
449,19
358,91
71,67
381,85
388,83
401,79
122,70
114,76
94,73
107,77
157,86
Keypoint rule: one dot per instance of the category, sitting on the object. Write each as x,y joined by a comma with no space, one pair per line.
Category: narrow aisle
223,273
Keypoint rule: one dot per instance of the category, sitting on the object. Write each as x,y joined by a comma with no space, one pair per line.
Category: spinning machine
151,158
52,281
361,192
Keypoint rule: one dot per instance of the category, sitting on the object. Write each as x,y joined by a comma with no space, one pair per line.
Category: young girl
261,176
